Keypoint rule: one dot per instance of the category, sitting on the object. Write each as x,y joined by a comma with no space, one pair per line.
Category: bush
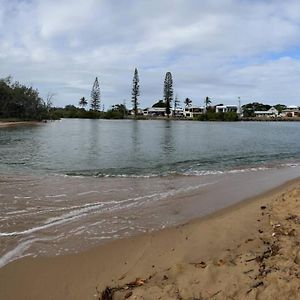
213,116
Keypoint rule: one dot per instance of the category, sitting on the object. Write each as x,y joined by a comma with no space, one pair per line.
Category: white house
291,111
154,111
178,112
271,113
139,111
193,111
226,108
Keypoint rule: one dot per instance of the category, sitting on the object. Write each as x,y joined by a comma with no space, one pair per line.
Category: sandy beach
247,251
18,123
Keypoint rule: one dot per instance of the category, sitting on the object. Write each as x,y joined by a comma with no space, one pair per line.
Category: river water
68,185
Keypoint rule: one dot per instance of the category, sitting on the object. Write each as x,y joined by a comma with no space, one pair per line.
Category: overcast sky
217,48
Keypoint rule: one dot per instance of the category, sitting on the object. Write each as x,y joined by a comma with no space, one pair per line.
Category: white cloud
224,48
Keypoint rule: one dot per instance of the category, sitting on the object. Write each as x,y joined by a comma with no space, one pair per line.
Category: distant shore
4,123
18,123
247,251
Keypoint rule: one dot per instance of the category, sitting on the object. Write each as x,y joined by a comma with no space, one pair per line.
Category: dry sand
248,251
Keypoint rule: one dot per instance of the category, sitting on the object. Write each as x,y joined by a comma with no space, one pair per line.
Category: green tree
176,102
135,91
95,96
160,103
21,102
83,102
207,102
280,107
117,111
250,108
187,102
168,92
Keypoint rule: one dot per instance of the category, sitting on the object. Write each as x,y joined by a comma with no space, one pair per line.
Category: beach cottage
271,113
291,112
226,108
155,111
193,111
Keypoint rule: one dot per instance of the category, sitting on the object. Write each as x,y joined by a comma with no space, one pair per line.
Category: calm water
69,185
145,148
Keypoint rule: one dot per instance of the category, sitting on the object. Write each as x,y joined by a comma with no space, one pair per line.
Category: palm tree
188,102
207,101
83,102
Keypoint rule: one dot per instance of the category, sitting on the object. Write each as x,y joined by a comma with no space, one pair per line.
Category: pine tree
176,102
95,96
135,91
168,92
176,105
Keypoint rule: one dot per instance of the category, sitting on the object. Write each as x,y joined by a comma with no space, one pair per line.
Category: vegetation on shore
19,102
250,108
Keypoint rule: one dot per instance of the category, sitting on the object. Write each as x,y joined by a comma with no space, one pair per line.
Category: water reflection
135,137
127,146
168,143
94,134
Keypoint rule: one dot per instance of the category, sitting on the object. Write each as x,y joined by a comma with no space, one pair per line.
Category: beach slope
248,251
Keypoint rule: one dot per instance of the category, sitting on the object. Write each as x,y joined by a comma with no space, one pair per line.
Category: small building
155,111
271,113
193,111
226,108
139,111
291,112
178,112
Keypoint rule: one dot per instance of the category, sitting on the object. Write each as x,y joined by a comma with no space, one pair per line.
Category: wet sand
247,251
18,123
57,215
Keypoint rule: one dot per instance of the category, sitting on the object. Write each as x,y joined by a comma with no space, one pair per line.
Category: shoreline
171,257
17,123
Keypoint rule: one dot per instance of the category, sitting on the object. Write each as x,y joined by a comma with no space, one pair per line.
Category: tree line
18,101
22,102
95,99
168,102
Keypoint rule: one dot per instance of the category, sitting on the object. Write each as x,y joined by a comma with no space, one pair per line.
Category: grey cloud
214,48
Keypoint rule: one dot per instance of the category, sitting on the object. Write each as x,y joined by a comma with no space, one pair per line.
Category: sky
223,49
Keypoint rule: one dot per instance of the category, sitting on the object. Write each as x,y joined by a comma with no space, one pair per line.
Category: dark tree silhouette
176,102
168,92
95,96
187,102
22,102
83,102
207,101
135,91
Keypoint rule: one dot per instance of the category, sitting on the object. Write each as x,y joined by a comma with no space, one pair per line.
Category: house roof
225,106
269,111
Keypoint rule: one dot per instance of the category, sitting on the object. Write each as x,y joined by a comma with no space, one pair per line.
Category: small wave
193,171
89,192
18,251
100,207
291,165
218,172
56,196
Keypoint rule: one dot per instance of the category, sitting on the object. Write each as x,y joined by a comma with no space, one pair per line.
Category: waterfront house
291,112
139,111
193,111
178,112
271,113
226,108
154,111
